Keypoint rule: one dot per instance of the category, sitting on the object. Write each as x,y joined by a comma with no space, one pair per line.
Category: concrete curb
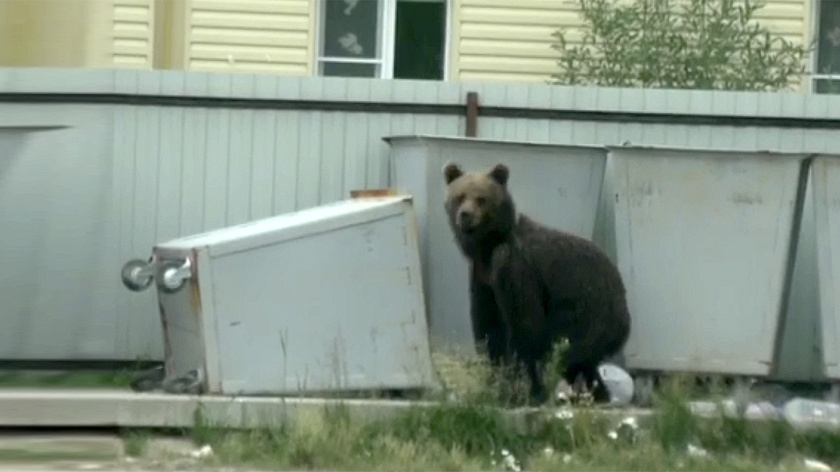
117,408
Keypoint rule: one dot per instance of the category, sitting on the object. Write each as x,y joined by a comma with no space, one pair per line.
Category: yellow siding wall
257,36
510,41
49,33
133,33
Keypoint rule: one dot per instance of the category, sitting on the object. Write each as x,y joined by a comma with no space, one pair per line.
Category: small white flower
695,451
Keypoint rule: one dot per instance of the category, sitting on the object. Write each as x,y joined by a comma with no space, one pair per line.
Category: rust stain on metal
745,198
373,193
195,292
167,345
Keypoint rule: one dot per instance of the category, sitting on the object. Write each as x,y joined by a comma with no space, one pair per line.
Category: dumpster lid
310,220
501,142
705,150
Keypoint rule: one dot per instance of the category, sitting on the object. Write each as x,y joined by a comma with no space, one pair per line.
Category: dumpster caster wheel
148,380
171,275
136,275
190,384
643,390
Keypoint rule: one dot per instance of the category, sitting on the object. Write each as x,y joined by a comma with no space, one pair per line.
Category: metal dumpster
558,185
826,189
800,356
704,243
325,299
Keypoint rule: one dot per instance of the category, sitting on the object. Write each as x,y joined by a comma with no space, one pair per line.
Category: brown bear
532,285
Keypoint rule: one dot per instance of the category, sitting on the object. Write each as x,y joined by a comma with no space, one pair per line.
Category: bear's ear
452,171
500,174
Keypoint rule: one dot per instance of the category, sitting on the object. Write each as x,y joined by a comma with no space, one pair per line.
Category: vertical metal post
472,115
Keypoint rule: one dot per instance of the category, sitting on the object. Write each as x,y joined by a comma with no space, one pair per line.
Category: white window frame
814,75
387,20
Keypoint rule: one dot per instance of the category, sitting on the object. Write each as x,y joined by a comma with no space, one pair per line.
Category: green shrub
702,44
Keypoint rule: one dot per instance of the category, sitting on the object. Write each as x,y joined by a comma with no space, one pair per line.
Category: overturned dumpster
704,241
826,191
558,185
324,299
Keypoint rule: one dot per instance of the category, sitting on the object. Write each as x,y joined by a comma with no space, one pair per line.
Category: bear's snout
465,218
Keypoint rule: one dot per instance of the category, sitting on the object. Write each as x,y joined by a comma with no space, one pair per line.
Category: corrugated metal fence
97,166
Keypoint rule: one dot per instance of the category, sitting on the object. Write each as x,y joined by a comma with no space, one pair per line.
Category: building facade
475,40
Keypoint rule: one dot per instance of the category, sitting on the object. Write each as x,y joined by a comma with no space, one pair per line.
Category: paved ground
86,467
74,451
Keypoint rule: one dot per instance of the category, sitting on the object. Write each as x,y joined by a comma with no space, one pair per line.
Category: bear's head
478,203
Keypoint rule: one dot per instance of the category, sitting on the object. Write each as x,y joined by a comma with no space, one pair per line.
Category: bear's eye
459,199
480,201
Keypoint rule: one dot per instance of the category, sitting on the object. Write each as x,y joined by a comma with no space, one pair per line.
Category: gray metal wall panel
56,240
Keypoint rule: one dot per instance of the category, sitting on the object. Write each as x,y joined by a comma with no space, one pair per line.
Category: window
401,39
826,76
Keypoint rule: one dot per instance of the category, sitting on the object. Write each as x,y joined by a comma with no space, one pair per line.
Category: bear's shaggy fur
532,285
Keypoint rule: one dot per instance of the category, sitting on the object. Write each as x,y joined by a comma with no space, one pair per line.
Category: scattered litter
754,411
205,451
90,466
548,451
618,383
567,458
630,422
563,392
510,462
803,413
564,414
816,465
627,429
695,451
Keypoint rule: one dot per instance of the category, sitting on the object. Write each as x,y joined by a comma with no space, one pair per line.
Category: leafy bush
703,44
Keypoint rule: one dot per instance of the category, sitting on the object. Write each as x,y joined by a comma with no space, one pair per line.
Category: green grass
64,379
26,455
136,442
469,430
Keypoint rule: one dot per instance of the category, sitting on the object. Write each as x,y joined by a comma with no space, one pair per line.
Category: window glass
342,69
419,44
350,28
